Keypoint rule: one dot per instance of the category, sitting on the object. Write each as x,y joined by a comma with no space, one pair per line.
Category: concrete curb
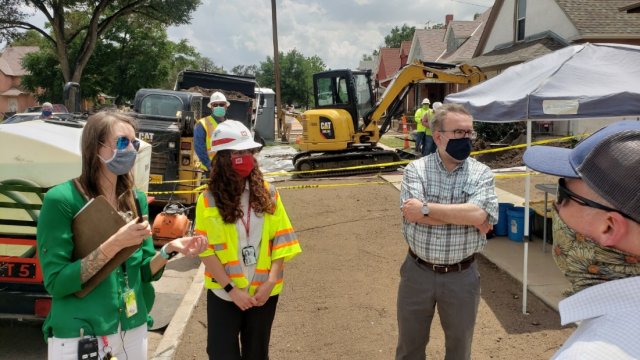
173,334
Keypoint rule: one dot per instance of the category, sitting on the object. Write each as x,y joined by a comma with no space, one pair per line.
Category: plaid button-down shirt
427,180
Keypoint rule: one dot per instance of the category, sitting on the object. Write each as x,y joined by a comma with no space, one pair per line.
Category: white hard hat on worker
232,135
217,98
426,101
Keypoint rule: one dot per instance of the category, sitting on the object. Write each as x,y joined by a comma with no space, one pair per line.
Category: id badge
131,307
249,255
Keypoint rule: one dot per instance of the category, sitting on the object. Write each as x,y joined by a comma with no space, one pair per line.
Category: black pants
226,322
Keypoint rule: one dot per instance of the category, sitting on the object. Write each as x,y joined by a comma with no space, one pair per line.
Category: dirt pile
230,95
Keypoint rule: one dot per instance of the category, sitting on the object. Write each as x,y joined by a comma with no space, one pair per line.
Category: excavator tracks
340,163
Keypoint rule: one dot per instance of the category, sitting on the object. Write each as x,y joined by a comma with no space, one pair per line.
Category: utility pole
276,68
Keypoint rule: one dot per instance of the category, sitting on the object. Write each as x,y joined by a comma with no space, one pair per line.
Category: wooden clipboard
92,226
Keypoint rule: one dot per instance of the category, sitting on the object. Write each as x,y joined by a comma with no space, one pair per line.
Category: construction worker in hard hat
250,237
204,128
424,141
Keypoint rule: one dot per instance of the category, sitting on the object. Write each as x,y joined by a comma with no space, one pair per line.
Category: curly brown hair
226,187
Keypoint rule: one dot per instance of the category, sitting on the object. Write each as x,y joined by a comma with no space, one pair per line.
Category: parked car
22,117
57,108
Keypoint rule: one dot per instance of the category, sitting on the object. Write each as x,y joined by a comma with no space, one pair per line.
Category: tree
297,76
85,22
118,67
206,64
398,35
246,70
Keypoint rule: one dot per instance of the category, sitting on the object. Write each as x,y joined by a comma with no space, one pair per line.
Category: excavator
343,129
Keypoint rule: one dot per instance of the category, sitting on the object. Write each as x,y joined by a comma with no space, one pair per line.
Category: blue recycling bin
500,229
515,220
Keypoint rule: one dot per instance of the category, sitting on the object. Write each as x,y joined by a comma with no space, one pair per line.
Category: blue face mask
459,149
46,113
121,162
219,111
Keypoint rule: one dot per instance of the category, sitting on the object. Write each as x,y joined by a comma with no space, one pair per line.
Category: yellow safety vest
418,119
278,241
209,126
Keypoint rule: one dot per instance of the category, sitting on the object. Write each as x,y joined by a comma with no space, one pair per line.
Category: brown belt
462,265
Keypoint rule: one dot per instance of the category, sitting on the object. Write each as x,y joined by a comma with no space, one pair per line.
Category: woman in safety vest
250,238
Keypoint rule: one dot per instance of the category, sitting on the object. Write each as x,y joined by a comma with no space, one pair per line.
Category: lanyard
247,224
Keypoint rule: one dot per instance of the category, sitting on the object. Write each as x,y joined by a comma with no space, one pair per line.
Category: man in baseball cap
599,198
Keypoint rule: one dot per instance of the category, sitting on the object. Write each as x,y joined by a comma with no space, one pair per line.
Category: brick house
12,97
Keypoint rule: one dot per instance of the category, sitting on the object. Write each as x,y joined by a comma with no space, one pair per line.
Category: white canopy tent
579,82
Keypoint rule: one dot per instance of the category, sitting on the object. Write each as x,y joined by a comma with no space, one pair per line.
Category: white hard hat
47,105
232,135
426,101
218,97
436,105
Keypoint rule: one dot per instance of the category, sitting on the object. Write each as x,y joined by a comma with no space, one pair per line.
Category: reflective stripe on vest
283,238
209,126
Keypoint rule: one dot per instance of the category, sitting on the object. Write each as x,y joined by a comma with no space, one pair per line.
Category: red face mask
242,164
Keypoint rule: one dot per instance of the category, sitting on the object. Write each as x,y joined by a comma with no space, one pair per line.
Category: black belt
462,265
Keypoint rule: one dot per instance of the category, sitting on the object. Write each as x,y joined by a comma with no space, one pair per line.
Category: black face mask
459,149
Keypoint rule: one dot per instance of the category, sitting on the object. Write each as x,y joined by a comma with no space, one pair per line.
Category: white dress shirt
609,321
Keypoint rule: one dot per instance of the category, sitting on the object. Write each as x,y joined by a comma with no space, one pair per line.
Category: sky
239,32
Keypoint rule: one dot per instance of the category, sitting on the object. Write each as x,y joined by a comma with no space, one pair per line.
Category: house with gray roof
521,30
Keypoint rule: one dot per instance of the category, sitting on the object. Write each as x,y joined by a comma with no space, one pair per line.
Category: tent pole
527,190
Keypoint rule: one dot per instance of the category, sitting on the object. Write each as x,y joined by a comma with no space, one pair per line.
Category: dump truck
166,119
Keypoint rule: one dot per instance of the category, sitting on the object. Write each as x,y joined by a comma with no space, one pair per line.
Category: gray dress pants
456,295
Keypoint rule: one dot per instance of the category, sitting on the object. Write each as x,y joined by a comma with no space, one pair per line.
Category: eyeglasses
565,194
459,133
122,142
218,105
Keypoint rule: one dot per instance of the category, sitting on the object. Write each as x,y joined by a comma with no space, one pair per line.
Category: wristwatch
425,209
228,287
165,255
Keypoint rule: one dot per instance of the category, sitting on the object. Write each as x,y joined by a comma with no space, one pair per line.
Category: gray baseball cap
608,161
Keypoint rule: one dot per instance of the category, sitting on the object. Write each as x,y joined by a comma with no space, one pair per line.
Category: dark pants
456,294
428,145
419,138
231,328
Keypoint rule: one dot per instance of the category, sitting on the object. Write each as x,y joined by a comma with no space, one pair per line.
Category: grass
395,141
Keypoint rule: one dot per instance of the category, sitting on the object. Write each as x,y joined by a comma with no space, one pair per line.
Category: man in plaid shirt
448,204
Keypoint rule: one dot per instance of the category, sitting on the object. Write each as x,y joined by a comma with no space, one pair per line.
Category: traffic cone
405,131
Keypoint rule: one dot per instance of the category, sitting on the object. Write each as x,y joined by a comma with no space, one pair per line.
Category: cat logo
146,136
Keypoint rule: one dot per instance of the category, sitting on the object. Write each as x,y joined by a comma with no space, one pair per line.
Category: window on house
521,10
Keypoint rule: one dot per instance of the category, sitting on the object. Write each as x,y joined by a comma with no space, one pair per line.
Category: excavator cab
344,89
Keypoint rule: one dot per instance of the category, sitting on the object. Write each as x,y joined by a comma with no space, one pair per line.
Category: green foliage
133,54
245,70
28,38
398,35
75,27
44,74
497,132
296,76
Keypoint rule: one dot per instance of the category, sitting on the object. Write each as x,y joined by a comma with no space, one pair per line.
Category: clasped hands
244,301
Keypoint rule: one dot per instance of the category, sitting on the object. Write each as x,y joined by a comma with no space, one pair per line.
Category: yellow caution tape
402,162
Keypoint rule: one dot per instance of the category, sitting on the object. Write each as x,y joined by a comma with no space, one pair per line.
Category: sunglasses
565,194
122,142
